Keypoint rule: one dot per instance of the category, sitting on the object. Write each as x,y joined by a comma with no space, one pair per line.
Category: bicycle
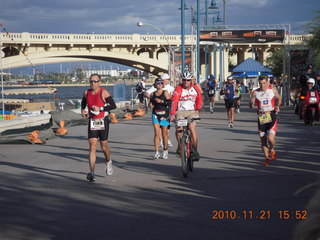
186,145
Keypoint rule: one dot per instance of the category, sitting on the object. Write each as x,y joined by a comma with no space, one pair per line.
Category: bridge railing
26,37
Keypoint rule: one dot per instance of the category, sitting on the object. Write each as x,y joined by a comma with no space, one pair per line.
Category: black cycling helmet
309,66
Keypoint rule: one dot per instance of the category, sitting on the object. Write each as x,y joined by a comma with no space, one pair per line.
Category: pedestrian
140,89
99,102
268,101
250,86
237,96
167,87
160,100
211,90
228,91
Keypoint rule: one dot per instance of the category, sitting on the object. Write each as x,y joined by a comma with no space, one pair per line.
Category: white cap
165,76
230,78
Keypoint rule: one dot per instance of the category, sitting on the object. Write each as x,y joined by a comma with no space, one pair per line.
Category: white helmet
311,80
187,75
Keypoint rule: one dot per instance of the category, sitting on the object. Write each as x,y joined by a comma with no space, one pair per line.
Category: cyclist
211,89
186,103
268,102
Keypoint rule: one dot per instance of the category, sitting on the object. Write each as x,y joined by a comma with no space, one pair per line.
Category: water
120,92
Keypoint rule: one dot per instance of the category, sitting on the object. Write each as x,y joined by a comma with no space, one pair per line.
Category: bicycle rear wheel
184,156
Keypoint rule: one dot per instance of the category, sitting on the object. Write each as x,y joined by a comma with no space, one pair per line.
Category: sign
243,36
298,62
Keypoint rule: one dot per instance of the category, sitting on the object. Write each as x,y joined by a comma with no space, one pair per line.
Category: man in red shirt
186,103
99,102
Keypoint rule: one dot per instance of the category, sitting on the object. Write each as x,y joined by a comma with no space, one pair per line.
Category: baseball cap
165,76
230,78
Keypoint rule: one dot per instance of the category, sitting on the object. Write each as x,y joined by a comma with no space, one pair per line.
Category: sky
121,16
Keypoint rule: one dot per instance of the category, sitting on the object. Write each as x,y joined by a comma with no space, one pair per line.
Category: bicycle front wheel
184,156
190,159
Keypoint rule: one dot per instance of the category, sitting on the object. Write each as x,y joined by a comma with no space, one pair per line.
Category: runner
160,99
268,102
211,89
99,102
167,87
186,103
228,90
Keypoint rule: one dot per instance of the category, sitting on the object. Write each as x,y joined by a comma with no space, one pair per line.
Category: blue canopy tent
250,68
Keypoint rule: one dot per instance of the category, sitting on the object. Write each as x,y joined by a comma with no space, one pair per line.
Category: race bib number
212,91
97,124
313,99
265,118
182,122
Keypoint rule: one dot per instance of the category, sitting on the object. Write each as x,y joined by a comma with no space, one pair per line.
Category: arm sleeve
175,100
111,104
83,102
198,103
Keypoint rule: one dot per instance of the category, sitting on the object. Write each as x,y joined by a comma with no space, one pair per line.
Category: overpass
145,52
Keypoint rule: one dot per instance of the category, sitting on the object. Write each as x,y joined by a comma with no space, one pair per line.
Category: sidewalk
45,195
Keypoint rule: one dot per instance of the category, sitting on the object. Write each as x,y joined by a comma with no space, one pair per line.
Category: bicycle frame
186,145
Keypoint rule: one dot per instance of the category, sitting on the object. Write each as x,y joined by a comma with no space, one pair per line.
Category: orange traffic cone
128,116
62,130
33,137
113,118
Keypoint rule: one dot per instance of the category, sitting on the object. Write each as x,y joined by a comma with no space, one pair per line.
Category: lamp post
1,73
141,24
224,12
182,36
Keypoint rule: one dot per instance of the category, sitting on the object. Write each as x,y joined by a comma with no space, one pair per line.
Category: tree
314,43
275,62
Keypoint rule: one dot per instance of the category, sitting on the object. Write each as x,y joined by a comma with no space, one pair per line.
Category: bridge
145,52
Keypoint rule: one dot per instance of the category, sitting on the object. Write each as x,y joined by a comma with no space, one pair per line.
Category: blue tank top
211,84
231,89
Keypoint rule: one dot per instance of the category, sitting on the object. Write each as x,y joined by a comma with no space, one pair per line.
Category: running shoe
169,143
165,154
109,169
267,161
161,143
230,125
211,110
156,155
273,155
195,156
91,177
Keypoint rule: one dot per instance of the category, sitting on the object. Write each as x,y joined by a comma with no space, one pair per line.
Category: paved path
44,193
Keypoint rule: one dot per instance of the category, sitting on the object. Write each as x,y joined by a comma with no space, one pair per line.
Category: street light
224,12
141,24
1,73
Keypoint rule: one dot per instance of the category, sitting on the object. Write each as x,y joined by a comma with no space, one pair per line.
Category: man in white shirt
167,87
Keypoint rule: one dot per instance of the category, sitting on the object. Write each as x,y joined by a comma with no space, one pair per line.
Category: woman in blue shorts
160,99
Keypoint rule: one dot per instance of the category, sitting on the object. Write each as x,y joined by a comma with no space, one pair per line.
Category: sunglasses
186,80
158,83
94,81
